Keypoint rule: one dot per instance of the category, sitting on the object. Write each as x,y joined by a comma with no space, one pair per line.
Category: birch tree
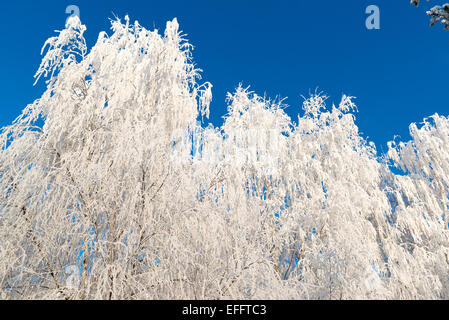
111,187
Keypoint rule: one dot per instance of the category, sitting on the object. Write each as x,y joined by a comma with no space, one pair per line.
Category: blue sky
285,48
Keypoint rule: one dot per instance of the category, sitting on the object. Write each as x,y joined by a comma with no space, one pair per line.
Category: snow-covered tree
437,13
112,188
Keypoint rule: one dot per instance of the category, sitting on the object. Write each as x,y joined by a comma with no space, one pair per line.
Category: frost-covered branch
437,14
123,193
63,49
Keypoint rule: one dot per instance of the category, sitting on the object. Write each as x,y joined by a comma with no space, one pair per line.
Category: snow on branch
63,49
111,188
438,13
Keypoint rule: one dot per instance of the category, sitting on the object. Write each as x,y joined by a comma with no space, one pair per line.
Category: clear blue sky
399,73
